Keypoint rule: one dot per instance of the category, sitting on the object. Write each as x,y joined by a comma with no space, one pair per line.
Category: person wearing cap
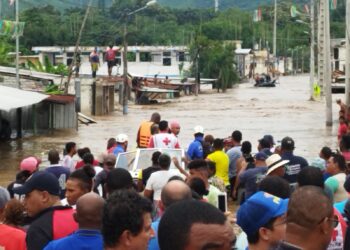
175,128
195,149
144,132
310,220
50,220
122,144
11,238
30,164
27,167
296,163
262,219
264,146
221,160
250,178
163,139
109,161
276,165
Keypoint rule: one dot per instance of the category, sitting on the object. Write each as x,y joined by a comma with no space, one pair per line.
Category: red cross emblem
166,141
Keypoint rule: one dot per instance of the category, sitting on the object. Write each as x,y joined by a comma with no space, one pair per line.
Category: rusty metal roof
61,99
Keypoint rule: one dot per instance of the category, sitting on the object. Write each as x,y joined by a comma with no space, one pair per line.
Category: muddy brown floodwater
280,111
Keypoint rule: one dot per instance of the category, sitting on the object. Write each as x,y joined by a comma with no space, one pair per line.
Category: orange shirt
12,238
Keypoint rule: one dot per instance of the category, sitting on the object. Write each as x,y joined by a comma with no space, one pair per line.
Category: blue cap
42,181
261,156
258,210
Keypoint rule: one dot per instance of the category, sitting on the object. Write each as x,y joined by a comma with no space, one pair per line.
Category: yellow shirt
222,162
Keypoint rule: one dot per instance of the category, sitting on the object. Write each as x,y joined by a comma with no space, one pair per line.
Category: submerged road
280,111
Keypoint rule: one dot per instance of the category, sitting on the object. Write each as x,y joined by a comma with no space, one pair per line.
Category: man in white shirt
71,150
159,179
164,139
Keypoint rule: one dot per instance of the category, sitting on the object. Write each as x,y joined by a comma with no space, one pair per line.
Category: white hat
273,162
121,138
198,130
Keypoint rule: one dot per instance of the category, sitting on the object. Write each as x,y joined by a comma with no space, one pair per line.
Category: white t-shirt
164,140
158,180
68,163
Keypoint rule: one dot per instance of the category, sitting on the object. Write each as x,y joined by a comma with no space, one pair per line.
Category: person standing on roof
95,62
163,139
110,58
144,133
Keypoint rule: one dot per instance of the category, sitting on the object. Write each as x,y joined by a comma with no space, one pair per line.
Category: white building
142,60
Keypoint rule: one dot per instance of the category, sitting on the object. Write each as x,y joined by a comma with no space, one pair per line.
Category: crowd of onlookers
285,201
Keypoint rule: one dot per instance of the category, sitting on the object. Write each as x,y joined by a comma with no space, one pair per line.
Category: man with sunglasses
310,220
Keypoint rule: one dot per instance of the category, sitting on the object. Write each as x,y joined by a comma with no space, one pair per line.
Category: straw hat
273,162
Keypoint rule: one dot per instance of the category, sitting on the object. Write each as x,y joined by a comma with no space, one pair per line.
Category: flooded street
280,111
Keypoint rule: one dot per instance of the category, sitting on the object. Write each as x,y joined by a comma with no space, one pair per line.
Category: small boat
265,81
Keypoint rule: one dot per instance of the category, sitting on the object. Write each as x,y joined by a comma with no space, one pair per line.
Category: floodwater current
280,111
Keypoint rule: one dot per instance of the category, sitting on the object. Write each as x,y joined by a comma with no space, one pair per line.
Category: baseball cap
30,164
198,130
258,210
287,143
270,139
260,156
42,181
121,138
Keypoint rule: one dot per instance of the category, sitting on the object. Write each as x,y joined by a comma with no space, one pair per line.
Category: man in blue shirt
251,178
89,218
296,163
195,149
122,144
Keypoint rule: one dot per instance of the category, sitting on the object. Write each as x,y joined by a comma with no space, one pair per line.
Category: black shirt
47,226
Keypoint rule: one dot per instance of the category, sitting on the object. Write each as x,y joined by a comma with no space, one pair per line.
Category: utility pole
275,36
312,49
216,3
70,72
125,70
347,62
324,58
17,45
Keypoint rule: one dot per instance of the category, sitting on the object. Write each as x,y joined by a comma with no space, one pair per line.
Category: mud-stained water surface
280,111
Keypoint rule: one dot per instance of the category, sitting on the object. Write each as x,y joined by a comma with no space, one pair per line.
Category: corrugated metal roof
29,74
61,99
11,98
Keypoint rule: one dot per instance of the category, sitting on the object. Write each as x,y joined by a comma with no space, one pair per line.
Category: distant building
338,54
142,60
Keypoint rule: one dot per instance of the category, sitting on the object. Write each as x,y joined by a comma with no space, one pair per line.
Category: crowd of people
285,202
